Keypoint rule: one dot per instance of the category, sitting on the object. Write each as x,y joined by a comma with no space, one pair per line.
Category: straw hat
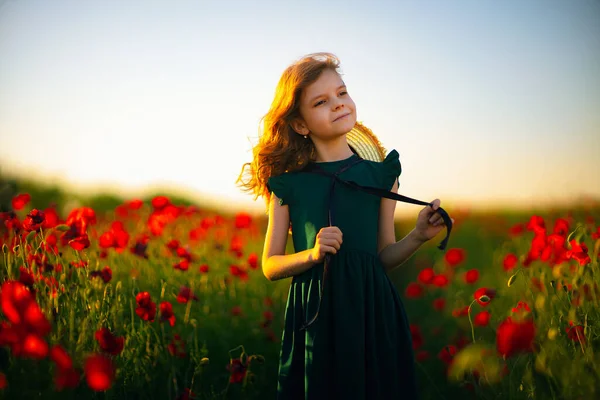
364,142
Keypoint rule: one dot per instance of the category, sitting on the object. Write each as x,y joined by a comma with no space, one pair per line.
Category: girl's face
326,108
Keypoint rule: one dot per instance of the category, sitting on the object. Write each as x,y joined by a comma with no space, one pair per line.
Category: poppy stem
471,322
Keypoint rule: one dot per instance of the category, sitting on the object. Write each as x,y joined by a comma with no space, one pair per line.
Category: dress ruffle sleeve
391,170
280,185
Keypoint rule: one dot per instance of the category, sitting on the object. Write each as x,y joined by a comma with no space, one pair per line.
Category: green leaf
30,236
476,357
62,228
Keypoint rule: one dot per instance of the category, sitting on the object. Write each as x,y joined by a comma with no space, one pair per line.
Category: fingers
434,217
328,249
330,232
331,229
331,242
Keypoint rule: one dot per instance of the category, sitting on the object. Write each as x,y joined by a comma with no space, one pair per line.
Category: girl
346,336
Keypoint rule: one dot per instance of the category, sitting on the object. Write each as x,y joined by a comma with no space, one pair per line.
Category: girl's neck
331,151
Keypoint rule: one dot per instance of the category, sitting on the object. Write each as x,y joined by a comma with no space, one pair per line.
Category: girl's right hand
329,240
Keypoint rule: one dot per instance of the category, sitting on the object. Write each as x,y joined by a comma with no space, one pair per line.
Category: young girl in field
346,334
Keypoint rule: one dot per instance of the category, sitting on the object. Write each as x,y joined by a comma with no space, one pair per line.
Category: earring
305,136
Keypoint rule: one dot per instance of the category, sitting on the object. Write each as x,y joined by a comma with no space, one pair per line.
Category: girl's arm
275,263
392,253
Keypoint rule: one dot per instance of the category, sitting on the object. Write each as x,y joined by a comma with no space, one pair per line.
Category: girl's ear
299,126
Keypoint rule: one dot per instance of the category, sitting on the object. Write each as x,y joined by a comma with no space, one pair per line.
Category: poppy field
153,299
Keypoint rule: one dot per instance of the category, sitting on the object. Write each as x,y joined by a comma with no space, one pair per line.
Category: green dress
360,346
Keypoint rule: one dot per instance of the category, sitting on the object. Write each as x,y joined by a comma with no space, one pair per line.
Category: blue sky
487,102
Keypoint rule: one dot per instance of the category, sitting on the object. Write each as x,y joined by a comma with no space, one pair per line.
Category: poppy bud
484,299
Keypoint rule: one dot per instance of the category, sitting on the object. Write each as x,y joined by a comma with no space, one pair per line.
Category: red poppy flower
11,220
146,308
51,218
204,268
60,357
426,275
34,220
184,253
447,354
479,293
243,220
253,260
80,242
521,307
471,276
440,280
414,290
454,257
237,244
26,277
460,312
99,372
236,311
514,337
185,294
177,347
509,262
439,304
105,274
108,342
237,371
173,244
116,237
206,223
268,302
20,308
166,313
268,315
576,333
160,202
416,335
482,319
516,229
140,246
134,204
537,283
536,224
579,252
20,201
34,347
186,395
183,265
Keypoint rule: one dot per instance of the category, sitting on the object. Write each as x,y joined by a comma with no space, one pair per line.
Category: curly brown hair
280,149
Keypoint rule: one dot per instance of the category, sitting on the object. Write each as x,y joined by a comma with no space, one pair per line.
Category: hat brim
364,143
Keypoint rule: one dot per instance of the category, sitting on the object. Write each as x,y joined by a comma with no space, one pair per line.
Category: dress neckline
337,162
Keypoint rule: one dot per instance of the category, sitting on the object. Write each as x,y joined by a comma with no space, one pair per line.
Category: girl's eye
319,103
343,93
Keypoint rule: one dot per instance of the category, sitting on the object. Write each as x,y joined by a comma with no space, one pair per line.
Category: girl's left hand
429,222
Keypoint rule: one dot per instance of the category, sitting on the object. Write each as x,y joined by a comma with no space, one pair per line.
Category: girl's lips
343,116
